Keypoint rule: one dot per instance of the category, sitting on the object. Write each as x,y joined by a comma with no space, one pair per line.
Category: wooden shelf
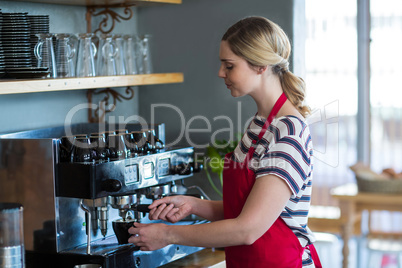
61,84
104,2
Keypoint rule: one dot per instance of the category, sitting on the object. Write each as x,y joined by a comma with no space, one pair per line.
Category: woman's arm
175,208
208,209
263,206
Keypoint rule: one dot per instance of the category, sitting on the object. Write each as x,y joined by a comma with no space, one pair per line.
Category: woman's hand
149,236
171,208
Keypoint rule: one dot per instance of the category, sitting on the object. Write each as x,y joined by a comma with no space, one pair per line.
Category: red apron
279,246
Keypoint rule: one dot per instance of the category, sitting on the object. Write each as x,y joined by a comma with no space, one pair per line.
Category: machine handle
194,195
142,208
182,169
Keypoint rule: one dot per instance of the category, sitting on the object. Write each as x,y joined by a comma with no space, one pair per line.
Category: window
386,86
332,89
331,80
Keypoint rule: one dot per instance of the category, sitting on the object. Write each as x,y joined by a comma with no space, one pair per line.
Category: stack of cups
12,251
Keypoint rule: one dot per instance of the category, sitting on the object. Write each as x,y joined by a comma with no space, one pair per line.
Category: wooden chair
381,242
326,224
326,219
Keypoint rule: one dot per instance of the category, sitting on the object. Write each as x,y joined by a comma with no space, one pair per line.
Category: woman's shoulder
289,125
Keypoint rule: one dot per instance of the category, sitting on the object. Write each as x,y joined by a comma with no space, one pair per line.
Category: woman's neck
266,95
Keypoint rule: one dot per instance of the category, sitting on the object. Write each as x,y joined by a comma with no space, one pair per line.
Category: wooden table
352,203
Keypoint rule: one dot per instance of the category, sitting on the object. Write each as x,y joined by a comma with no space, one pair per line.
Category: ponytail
294,88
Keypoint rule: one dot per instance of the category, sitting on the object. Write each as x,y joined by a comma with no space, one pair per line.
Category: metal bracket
108,15
98,115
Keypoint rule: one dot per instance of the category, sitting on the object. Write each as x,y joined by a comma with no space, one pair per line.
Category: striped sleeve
288,158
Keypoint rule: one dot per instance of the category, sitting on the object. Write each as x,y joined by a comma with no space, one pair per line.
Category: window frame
363,81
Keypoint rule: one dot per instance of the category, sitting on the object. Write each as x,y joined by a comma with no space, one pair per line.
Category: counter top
213,258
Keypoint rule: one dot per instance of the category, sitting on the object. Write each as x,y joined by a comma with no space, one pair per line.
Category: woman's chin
235,94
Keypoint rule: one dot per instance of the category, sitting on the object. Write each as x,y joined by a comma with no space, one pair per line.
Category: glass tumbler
146,60
86,55
12,250
44,53
131,50
120,62
107,55
65,55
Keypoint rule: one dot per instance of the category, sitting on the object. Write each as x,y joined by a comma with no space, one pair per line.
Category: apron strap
314,256
277,106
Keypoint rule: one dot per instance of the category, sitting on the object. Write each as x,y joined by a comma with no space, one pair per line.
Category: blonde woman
262,220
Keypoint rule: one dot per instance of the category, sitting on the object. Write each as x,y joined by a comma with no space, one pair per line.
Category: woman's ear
261,69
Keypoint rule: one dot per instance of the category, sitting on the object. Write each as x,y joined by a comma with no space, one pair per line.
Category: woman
262,220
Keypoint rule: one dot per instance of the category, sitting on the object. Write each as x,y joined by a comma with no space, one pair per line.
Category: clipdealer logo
324,128
323,123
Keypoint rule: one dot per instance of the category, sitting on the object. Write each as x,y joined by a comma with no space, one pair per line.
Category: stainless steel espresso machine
76,181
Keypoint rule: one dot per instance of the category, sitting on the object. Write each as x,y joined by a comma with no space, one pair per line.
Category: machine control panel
131,174
163,167
91,181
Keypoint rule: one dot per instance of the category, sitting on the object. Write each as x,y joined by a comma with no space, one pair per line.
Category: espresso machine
75,183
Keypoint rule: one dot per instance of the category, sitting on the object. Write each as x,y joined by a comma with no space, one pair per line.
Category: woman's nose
221,72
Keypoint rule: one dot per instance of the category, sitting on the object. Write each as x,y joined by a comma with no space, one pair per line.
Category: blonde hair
261,43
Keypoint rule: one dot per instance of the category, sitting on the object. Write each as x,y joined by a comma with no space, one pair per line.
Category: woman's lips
228,85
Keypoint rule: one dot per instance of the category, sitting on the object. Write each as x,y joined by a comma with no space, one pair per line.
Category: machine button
111,185
148,170
131,174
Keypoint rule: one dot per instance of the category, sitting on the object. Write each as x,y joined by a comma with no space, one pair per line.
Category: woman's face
239,76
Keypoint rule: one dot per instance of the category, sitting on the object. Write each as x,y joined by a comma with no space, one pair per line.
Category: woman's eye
229,67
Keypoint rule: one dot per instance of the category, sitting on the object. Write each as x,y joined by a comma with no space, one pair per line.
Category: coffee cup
120,228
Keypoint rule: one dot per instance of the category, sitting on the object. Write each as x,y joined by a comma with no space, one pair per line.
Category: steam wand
88,225
197,188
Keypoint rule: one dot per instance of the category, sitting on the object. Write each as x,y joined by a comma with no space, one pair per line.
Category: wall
39,110
186,38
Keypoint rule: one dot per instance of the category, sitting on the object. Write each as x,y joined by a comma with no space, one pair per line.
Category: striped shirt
285,150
